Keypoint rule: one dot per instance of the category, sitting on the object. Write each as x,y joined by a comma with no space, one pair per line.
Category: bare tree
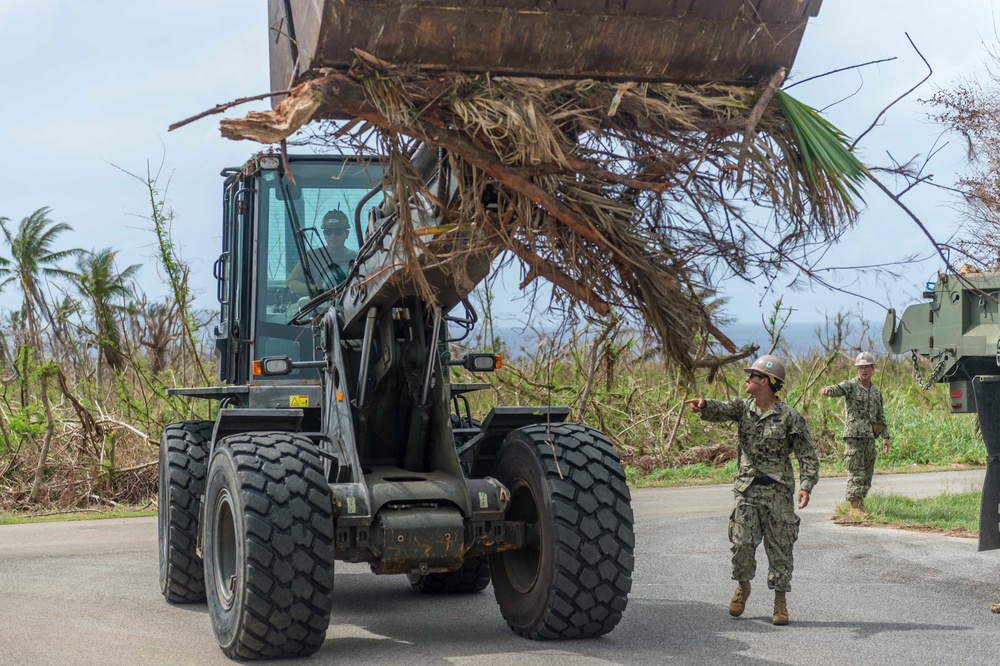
971,109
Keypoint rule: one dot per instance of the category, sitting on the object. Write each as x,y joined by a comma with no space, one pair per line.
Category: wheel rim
225,556
522,566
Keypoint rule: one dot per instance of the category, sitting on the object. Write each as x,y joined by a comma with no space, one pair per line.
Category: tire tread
185,445
591,506
290,546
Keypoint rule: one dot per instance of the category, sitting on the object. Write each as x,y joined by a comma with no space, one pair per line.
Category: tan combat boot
857,507
738,603
780,616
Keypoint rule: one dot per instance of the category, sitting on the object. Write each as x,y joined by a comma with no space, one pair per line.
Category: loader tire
268,545
183,464
474,576
574,577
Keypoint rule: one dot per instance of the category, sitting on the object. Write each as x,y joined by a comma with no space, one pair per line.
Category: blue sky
955,39
89,85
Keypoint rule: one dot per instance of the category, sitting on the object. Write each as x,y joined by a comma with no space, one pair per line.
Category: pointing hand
696,404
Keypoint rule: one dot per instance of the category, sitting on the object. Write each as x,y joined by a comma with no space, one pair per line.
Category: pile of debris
630,197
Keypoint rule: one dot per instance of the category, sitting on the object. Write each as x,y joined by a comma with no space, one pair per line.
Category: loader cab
273,229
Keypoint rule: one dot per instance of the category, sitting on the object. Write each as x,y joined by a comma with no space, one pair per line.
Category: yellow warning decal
298,401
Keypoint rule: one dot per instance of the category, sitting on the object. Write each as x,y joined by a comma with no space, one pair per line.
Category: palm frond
827,159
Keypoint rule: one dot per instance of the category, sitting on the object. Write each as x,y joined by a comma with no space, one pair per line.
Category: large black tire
268,545
567,483
183,464
474,576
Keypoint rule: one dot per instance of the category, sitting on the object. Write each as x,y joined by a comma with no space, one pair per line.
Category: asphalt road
87,593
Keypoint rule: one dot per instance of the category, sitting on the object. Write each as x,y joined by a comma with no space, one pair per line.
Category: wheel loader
341,434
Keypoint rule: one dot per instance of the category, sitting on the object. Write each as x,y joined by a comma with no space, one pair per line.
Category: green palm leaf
827,158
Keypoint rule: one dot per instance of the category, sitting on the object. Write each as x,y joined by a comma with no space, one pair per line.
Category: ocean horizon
796,338
804,337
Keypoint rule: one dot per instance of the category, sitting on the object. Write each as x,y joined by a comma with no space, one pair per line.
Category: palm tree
107,290
32,257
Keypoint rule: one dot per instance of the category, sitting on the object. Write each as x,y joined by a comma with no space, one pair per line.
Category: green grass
947,511
684,475
21,518
702,474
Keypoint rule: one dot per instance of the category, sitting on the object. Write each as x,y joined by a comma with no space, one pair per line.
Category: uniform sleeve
717,410
880,416
805,453
840,390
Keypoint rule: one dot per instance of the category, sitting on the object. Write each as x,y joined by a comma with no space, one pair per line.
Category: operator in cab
327,265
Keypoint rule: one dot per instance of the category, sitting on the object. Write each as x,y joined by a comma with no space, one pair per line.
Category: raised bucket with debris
682,41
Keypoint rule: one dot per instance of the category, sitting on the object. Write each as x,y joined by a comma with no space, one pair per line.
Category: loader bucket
987,390
680,41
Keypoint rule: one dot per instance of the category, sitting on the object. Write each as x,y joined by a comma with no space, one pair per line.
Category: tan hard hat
864,358
769,365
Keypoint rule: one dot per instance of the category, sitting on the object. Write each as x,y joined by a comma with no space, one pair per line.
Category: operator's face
756,384
865,372
335,235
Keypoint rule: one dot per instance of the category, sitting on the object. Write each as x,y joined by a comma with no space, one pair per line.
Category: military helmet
864,358
769,365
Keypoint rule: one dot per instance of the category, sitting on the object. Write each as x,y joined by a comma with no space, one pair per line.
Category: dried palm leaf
629,197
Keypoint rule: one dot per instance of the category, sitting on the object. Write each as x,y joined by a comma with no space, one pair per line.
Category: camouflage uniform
863,423
764,487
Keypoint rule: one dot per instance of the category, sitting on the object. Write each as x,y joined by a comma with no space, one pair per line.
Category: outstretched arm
835,391
716,410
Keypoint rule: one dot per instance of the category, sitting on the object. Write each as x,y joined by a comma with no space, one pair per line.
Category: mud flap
987,392
989,511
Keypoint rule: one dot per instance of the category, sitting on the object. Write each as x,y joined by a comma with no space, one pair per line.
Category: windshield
307,242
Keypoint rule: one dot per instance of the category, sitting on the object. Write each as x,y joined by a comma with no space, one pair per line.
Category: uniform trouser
764,513
859,458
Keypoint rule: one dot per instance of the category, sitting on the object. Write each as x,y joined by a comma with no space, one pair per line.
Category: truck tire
474,576
183,464
269,546
567,483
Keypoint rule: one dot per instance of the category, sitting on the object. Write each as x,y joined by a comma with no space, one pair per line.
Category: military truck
957,330
340,432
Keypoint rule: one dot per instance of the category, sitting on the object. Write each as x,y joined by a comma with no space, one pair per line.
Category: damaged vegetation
85,363
632,199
